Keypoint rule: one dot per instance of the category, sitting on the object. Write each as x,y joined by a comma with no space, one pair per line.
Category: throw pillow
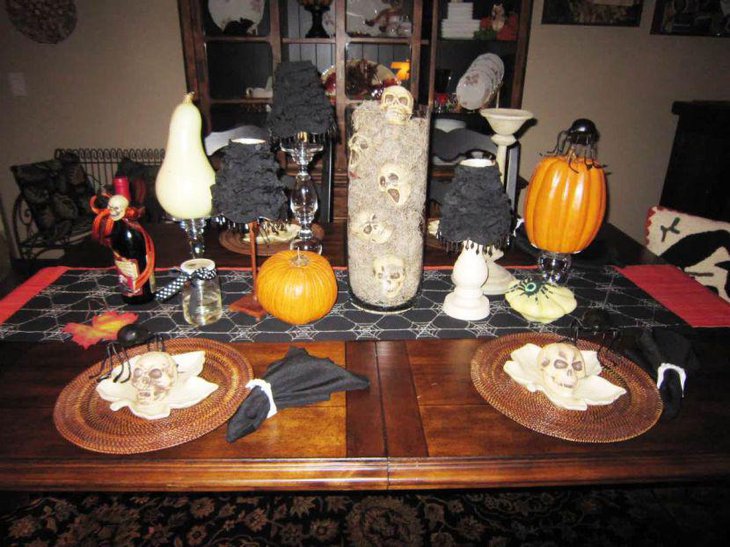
699,246
78,186
44,188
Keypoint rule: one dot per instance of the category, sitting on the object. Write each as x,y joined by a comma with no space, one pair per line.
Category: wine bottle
134,252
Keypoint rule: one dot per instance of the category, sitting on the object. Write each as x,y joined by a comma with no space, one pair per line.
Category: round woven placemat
85,419
233,241
629,416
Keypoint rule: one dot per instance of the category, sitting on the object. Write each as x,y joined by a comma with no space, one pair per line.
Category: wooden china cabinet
232,47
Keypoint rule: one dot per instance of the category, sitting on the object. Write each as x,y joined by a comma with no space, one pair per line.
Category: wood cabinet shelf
240,39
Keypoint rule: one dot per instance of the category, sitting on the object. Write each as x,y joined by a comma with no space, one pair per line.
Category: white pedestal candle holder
466,301
505,122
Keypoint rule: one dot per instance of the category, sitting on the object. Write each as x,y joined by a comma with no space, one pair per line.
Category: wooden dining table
420,425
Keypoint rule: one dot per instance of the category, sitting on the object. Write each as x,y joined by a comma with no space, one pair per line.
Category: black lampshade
475,207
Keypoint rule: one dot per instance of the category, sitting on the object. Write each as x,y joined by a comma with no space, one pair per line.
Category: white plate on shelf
224,12
475,87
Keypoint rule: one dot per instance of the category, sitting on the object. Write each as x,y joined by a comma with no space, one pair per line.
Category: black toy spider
595,323
128,337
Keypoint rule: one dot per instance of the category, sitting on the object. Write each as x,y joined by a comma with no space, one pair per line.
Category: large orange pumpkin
566,198
297,287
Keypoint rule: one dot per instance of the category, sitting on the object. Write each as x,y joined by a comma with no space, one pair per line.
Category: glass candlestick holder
303,198
195,230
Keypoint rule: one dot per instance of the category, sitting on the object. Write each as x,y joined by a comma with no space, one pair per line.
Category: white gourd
185,177
539,301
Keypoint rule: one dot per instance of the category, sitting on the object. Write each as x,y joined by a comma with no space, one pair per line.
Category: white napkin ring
266,388
669,366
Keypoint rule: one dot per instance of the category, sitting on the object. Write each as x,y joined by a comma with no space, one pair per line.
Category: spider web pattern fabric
78,295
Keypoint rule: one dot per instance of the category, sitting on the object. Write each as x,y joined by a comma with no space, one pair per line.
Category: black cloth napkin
658,346
296,380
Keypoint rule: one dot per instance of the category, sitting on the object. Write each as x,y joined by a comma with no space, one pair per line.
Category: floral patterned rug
581,516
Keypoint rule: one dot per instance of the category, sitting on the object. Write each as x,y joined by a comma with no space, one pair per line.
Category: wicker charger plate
233,241
86,420
630,415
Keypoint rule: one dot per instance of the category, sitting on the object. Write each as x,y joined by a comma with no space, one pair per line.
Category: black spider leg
609,337
159,341
103,374
573,332
125,367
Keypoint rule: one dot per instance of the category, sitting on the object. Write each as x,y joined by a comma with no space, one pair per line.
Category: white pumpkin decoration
185,177
540,301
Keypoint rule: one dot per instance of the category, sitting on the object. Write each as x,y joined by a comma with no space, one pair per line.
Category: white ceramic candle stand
466,301
505,122
499,278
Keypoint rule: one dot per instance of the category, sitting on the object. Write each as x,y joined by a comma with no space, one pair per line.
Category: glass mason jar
388,162
201,294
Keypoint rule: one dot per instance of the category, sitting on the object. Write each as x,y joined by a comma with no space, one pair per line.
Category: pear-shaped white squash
185,177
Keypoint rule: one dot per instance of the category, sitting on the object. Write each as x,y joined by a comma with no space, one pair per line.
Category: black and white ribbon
175,286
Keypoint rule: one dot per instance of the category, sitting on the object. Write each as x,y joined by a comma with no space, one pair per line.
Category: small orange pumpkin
566,198
297,287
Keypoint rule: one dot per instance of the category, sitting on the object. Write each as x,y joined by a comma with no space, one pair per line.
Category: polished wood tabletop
421,424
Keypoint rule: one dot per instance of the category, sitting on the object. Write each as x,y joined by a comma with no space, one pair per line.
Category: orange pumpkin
297,287
566,200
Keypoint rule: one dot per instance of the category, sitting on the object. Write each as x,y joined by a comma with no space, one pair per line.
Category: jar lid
189,266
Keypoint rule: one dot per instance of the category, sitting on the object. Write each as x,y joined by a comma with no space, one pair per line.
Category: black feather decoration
475,207
299,102
247,185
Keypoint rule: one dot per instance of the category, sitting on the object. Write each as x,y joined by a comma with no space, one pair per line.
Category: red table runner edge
680,294
28,289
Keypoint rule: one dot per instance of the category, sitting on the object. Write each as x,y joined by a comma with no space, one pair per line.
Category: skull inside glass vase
153,376
388,161
562,366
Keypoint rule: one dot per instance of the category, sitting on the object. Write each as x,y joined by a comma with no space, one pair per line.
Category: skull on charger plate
397,102
395,180
368,227
390,273
153,376
562,366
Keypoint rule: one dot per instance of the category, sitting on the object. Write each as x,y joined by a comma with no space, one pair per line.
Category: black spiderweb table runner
78,295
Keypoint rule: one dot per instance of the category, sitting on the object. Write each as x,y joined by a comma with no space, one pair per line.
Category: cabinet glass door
235,17
379,18
372,67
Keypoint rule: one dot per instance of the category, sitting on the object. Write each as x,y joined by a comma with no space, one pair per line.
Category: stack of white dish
480,82
459,23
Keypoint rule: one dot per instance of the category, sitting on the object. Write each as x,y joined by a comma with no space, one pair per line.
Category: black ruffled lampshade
247,184
475,207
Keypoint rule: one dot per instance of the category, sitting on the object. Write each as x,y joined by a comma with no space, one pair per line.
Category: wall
625,80
116,79
113,82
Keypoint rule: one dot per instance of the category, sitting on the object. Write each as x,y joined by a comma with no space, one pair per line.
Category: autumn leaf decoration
103,327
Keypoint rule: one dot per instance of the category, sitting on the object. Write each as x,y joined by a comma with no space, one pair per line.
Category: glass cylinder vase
387,169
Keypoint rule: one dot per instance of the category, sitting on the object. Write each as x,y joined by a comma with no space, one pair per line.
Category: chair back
459,143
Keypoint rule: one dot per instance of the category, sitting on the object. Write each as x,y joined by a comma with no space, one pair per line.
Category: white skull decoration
358,144
395,181
153,376
562,366
397,102
117,207
390,273
369,227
